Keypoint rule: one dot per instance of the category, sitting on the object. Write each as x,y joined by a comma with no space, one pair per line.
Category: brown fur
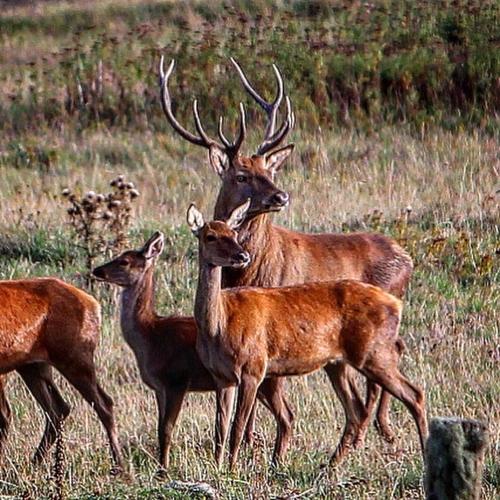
165,350
246,334
282,257
46,322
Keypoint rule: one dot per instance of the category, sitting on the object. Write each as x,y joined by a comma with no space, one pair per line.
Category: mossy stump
454,459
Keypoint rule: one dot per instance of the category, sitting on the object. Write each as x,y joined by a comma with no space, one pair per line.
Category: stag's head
243,177
218,240
130,267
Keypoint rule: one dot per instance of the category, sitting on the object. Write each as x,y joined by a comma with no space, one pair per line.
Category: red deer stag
46,322
248,333
164,348
283,257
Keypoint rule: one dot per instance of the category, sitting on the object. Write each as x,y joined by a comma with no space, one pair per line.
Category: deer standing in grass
46,322
164,348
282,257
246,334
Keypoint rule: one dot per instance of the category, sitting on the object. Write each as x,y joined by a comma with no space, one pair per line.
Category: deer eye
241,178
123,263
211,237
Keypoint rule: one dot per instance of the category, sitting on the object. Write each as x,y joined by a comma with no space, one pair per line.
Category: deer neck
137,308
208,310
255,236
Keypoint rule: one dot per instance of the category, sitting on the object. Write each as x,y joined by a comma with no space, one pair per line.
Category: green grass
423,172
351,64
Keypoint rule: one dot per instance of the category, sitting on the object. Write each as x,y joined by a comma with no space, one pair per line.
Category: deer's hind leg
385,372
38,378
80,372
169,401
5,413
271,393
356,415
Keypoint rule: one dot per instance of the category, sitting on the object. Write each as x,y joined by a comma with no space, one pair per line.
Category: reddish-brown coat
46,322
246,334
165,347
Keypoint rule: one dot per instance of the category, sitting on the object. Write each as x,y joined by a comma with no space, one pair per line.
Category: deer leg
250,429
224,408
382,421
169,406
391,379
247,392
356,417
38,379
271,394
83,377
5,413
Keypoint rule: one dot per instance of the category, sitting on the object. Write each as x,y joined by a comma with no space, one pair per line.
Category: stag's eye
123,263
211,237
241,178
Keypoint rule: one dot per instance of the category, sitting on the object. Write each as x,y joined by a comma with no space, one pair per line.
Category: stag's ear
218,159
275,160
238,215
194,219
154,246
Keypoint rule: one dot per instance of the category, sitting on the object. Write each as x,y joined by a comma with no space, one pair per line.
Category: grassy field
424,172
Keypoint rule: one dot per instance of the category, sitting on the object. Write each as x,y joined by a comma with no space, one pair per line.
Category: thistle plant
101,220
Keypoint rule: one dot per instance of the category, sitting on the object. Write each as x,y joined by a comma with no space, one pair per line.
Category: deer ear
238,215
194,219
275,160
218,159
154,246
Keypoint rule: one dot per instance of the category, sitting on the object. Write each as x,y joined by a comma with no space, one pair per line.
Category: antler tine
282,132
223,138
166,103
270,108
233,148
243,130
199,126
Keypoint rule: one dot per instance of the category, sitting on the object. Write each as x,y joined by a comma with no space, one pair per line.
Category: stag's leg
224,408
169,406
390,378
247,392
250,429
271,394
83,377
38,379
356,416
5,413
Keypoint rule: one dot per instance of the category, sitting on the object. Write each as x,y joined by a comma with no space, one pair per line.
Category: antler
231,149
271,138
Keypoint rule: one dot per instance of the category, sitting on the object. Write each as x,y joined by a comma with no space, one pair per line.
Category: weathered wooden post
454,459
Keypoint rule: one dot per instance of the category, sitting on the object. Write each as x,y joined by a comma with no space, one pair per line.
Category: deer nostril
280,198
98,272
243,257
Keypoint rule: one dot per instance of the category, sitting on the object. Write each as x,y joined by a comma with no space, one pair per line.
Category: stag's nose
280,198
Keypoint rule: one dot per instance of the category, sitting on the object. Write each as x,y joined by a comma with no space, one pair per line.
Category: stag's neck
256,236
137,313
208,310
254,233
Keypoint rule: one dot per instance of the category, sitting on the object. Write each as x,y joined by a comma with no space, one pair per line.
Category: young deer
164,348
248,333
46,322
281,257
